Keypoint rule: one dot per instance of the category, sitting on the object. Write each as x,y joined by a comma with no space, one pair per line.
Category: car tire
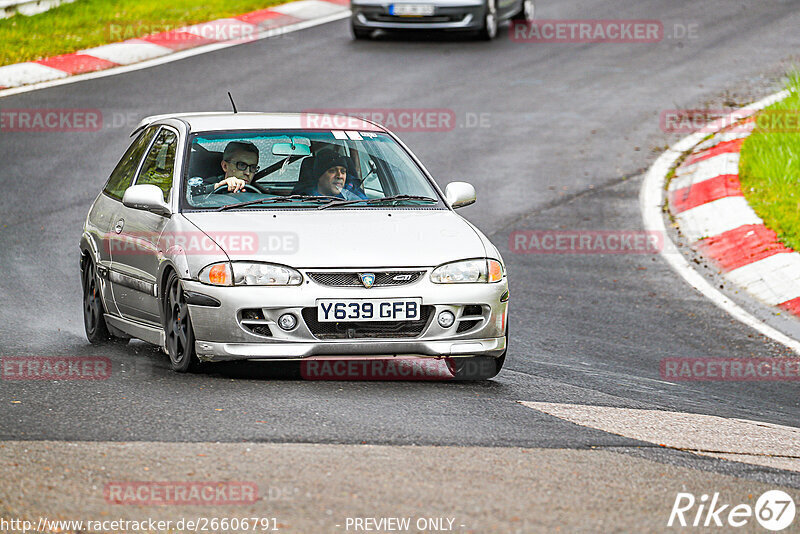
477,367
94,322
360,34
178,331
526,12
489,29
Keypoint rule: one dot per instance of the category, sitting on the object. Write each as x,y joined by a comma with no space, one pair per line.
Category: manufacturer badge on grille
367,279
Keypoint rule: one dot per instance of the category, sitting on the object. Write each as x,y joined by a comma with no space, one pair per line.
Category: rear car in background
480,17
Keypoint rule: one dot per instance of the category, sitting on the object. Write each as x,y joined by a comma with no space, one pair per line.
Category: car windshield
305,169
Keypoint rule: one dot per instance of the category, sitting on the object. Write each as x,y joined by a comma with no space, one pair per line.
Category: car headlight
241,273
468,271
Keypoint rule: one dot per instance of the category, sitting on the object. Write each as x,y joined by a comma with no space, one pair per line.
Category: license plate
411,10
330,310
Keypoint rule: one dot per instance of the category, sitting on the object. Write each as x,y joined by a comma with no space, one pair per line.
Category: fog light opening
446,319
287,321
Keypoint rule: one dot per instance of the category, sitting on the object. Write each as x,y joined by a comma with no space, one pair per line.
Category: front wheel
178,328
360,33
526,12
477,367
489,29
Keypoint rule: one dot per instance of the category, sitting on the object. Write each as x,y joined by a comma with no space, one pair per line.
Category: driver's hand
234,184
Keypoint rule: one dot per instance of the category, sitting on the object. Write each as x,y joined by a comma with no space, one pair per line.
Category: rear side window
160,162
123,173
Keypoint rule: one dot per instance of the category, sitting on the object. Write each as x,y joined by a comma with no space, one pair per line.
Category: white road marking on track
177,56
751,442
651,199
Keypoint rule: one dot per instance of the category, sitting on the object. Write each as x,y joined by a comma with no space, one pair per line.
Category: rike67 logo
774,510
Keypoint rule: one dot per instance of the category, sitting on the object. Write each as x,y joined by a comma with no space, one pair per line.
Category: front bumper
221,333
456,18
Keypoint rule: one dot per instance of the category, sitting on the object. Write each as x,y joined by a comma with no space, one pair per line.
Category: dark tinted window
160,162
121,178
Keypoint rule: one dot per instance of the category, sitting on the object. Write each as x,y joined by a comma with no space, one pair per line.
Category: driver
239,165
330,171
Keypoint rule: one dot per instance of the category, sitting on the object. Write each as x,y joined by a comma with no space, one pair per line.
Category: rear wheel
178,328
94,322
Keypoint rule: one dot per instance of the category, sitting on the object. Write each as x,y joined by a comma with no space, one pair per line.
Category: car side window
160,162
123,173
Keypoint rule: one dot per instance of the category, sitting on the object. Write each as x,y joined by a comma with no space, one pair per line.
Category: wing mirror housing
459,194
146,197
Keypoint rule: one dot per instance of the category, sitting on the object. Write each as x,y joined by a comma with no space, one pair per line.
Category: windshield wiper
275,200
377,200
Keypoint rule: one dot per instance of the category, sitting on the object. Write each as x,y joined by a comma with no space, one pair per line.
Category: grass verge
769,169
87,23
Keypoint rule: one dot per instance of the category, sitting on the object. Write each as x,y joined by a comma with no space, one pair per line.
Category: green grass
769,169
87,23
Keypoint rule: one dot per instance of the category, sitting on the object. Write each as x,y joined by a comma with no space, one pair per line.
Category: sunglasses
242,166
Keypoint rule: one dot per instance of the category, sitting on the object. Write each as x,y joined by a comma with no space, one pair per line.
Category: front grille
382,278
463,326
367,329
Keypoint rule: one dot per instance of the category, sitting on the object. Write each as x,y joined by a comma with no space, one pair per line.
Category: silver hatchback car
223,236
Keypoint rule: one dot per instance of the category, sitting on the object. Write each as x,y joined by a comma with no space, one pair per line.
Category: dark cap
325,159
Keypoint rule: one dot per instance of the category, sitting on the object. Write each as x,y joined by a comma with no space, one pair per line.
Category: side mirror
459,194
146,197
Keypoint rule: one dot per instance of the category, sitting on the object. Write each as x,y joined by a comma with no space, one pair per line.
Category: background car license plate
330,310
411,10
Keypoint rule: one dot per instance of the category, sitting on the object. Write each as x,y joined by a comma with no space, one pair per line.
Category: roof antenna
232,102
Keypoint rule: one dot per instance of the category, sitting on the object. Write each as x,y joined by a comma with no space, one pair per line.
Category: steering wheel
247,187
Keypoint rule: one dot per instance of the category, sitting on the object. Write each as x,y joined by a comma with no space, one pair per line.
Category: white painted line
780,285
705,170
19,73
309,9
651,200
177,56
127,52
717,217
737,439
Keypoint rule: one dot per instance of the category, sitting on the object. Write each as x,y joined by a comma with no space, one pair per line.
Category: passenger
331,172
239,165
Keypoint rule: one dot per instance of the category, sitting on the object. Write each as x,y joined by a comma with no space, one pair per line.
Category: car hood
342,238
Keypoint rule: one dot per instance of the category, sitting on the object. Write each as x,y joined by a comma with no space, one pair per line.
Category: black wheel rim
92,307
177,323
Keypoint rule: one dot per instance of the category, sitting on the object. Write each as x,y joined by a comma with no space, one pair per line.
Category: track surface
569,128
